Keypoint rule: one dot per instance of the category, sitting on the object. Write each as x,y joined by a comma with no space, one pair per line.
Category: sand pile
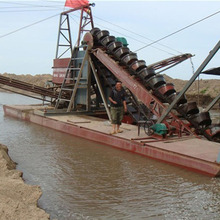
205,87
17,199
202,91
38,80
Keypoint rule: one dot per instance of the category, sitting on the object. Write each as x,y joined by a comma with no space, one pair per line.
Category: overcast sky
32,50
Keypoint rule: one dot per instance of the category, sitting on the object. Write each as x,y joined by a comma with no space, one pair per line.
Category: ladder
71,81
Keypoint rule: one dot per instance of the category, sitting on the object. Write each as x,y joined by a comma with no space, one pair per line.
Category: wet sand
17,199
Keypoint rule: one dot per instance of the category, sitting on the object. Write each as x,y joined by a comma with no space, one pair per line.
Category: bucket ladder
136,88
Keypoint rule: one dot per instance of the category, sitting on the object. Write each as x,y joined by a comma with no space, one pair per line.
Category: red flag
76,3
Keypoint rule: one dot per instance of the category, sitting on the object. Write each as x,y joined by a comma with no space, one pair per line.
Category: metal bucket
155,81
137,65
129,58
201,119
145,74
113,46
166,90
107,40
94,31
120,52
101,34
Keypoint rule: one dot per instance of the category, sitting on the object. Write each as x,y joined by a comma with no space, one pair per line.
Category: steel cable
175,32
37,22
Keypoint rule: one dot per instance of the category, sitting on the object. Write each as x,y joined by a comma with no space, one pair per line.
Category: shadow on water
86,180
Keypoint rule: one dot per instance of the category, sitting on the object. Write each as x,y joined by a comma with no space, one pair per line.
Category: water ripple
84,180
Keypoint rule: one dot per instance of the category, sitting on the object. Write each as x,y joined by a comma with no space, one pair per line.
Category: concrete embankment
17,199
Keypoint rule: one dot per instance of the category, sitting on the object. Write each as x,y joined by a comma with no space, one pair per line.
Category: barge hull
162,151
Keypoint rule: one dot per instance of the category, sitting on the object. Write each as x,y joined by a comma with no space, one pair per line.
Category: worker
118,107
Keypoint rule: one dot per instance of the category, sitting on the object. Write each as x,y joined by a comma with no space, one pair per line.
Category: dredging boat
160,123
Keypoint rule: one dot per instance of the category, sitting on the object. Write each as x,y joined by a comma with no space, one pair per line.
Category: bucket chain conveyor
151,88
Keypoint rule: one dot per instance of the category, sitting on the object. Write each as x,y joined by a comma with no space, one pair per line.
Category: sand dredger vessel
160,123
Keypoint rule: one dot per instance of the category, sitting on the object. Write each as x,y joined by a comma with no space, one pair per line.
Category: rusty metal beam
170,62
30,96
75,9
27,87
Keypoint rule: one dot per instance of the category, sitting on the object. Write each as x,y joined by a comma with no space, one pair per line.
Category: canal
86,180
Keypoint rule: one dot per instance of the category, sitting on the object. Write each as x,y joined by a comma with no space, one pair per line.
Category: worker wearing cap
118,107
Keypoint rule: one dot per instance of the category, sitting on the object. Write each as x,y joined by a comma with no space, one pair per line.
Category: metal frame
152,103
29,87
170,62
189,83
214,101
88,19
30,96
100,88
65,32
64,20
76,84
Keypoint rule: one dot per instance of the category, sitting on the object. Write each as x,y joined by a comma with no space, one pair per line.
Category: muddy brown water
86,180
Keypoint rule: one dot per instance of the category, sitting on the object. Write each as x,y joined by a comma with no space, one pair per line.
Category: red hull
200,165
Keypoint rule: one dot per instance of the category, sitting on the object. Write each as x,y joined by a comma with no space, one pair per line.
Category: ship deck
192,153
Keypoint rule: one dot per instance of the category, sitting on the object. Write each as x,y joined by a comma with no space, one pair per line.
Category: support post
80,27
88,93
58,38
100,88
71,103
198,71
214,101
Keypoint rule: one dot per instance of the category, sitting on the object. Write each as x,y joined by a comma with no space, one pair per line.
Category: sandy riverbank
17,199
202,91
